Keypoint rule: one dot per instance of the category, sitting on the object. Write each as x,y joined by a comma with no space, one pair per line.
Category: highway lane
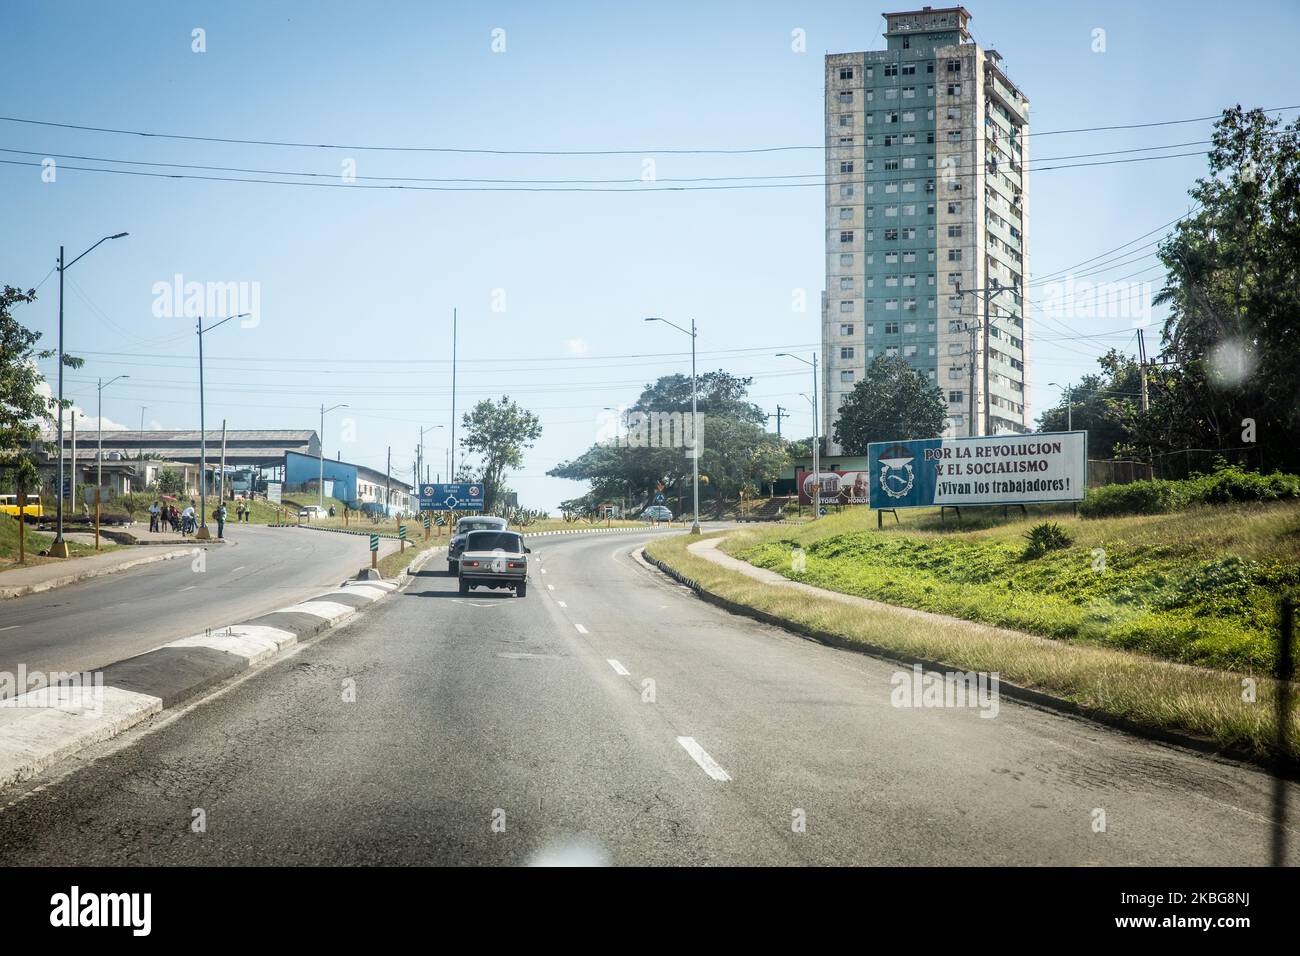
491,729
95,622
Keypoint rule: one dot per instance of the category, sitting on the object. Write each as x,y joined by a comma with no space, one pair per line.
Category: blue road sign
459,496
659,499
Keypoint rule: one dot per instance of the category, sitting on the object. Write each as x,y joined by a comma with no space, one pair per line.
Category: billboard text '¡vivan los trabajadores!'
994,470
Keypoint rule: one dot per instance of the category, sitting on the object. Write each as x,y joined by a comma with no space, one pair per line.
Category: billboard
993,470
838,487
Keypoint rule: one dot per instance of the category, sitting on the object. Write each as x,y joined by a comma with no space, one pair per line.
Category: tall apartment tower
927,212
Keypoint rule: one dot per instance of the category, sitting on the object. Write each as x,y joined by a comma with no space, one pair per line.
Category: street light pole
202,534
99,431
695,424
59,548
817,432
321,485
1069,404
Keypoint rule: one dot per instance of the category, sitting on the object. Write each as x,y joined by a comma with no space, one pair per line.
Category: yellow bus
33,509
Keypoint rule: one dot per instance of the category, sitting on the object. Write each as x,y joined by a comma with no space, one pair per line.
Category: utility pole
59,547
202,533
974,328
451,453
221,486
779,414
388,481
140,456
72,494
1142,369
321,498
99,432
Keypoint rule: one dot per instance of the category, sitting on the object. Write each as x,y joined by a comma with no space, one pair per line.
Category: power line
485,151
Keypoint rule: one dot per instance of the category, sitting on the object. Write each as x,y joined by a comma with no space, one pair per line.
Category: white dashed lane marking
701,757
561,604
581,629
619,669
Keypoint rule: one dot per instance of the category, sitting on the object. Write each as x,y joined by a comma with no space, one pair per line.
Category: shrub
1136,498
1044,537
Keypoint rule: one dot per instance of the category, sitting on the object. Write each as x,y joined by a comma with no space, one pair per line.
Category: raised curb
34,735
1026,695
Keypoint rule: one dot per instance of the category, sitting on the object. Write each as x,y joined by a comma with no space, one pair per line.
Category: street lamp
817,432
1069,404
59,549
99,431
321,486
695,423
203,534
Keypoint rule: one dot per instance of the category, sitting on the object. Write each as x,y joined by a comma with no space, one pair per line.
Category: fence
1117,471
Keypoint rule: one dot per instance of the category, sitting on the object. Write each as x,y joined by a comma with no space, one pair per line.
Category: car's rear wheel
521,589
464,586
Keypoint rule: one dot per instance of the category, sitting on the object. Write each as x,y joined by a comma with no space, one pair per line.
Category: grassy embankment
1198,587
35,543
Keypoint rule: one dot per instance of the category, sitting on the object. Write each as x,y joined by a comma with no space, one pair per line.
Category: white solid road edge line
701,757
619,669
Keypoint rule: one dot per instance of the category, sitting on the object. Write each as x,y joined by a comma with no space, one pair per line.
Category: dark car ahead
494,559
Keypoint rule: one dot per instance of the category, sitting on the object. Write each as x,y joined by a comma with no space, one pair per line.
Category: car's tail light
516,564
473,564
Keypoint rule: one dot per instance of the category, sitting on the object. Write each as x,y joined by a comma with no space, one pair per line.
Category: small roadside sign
401,531
374,542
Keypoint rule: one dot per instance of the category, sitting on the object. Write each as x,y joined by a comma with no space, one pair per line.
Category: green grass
1199,586
35,543
1134,687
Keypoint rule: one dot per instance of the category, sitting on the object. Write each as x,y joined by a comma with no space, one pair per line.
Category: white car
657,513
313,511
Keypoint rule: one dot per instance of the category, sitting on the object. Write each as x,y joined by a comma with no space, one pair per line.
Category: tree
498,433
170,482
1231,337
893,401
1106,406
23,409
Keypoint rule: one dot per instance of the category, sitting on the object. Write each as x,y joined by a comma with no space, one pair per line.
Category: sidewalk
42,577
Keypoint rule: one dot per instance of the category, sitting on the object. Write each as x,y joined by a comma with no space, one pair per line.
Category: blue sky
357,286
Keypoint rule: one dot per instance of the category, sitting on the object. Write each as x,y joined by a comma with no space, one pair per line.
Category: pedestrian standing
221,520
153,516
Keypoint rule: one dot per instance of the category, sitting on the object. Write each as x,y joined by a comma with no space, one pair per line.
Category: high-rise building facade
927,209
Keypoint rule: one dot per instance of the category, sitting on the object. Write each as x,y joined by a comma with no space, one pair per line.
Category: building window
954,136
846,190
846,235
846,166
846,352
954,66
909,328
846,96
846,119
846,328
954,89
846,306
954,374
891,328
954,255
954,348
846,258
891,69
954,112
954,231
846,282
846,375
846,73
954,208
846,212
909,351
891,235
846,140
909,69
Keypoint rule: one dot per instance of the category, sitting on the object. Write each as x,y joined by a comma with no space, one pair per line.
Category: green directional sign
374,542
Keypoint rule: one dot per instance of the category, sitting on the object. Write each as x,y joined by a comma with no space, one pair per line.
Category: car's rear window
479,525
494,541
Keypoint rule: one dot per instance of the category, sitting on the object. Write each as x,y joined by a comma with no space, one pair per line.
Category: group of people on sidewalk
165,517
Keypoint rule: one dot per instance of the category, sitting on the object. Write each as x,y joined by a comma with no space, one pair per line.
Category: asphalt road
492,729
100,620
